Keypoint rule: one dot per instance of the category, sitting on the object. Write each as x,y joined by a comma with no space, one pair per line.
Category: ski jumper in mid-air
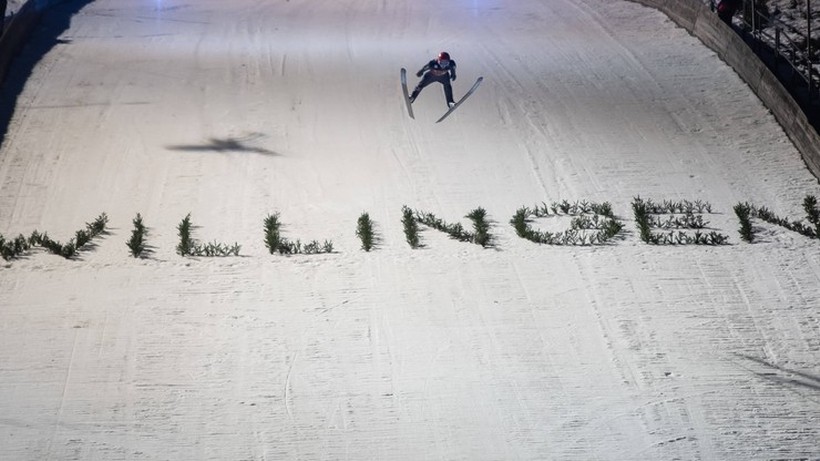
442,70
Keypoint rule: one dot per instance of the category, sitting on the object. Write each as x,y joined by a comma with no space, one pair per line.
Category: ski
463,98
406,93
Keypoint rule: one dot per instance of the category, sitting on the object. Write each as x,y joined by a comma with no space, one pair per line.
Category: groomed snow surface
12,6
231,111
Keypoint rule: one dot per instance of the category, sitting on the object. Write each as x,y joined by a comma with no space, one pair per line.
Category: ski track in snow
232,112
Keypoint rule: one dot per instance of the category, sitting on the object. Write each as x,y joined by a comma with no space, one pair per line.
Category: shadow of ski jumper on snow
222,145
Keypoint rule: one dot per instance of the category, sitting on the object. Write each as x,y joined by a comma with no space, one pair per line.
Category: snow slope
12,6
234,110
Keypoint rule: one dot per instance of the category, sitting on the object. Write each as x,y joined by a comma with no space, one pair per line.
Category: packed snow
233,111
13,6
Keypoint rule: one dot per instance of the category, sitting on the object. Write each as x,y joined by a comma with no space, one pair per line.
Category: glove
419,73
453,77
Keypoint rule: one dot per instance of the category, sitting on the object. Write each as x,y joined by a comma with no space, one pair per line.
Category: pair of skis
449,111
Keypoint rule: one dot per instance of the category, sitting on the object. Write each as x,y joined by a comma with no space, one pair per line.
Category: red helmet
444,56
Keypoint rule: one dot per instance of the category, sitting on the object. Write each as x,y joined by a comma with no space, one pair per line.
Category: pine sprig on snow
645,212
810,229
13,249
586,217
481,227
276,243
188,246
136,244
364,230
411,227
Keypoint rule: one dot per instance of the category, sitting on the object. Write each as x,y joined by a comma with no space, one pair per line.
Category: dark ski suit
726,9
437,73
